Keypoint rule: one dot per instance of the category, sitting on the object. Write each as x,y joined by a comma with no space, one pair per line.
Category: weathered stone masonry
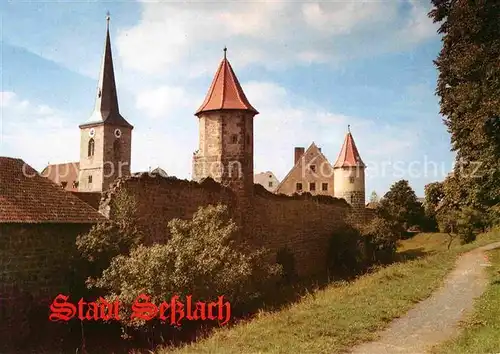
34,268
303,224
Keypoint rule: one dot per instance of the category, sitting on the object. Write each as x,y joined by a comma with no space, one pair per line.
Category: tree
400,205
380,240
374,197
112,237
434,193
469,90
464,223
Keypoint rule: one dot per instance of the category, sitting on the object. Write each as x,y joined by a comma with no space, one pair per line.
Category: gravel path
436,319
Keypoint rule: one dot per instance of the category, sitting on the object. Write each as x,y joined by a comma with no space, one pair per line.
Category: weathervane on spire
348,128
108,17
225,51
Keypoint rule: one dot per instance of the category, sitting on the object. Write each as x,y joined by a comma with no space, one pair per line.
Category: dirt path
436,319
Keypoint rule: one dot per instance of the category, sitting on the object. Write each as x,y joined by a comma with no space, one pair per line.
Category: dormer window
313,168
91,148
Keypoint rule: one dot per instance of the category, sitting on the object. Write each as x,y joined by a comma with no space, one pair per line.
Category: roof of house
27,197
63,172
349,155
225,91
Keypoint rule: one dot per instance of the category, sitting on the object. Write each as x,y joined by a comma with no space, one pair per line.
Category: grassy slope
342,315
481,332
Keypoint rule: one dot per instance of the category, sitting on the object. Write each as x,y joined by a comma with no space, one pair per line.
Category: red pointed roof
349,155
225,91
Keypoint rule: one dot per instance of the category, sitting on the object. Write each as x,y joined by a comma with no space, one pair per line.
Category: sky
310,69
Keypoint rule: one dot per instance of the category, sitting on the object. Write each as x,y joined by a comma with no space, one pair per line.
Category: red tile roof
225,92
27,197
63,172
349,155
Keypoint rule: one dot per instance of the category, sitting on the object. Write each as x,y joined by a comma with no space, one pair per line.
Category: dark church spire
106,102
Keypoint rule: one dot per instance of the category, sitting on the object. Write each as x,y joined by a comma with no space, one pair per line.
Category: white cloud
159,102
276,34
36,133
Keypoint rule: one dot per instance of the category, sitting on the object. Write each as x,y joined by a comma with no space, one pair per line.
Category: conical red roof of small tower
225,91
349,155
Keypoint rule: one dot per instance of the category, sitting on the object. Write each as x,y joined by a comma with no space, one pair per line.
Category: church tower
225,150
106,138
349,174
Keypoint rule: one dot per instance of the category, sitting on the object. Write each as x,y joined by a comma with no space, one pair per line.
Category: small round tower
349,175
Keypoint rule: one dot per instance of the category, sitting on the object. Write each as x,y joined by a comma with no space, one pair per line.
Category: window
75,184
351,179
352,199
312,186
324,186
270,184
234,138
64,184
313,168
91,148
298,186
90,179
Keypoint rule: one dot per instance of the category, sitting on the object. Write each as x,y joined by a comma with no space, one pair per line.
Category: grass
481,331
344,314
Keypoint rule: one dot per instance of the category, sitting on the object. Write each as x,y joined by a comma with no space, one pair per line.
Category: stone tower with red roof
225,151
349,175
106,138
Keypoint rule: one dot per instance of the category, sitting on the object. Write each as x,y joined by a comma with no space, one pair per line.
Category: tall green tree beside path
469,90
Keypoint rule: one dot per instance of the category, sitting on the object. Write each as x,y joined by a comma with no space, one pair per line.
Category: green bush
201,258
345,252
112,237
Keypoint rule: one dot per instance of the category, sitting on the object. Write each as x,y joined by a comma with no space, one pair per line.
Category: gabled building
311,173
105,139
267,180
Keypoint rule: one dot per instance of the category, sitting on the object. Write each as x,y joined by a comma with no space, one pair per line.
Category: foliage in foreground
201,258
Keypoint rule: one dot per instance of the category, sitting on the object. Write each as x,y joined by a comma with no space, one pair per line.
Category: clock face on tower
118,133
91,132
